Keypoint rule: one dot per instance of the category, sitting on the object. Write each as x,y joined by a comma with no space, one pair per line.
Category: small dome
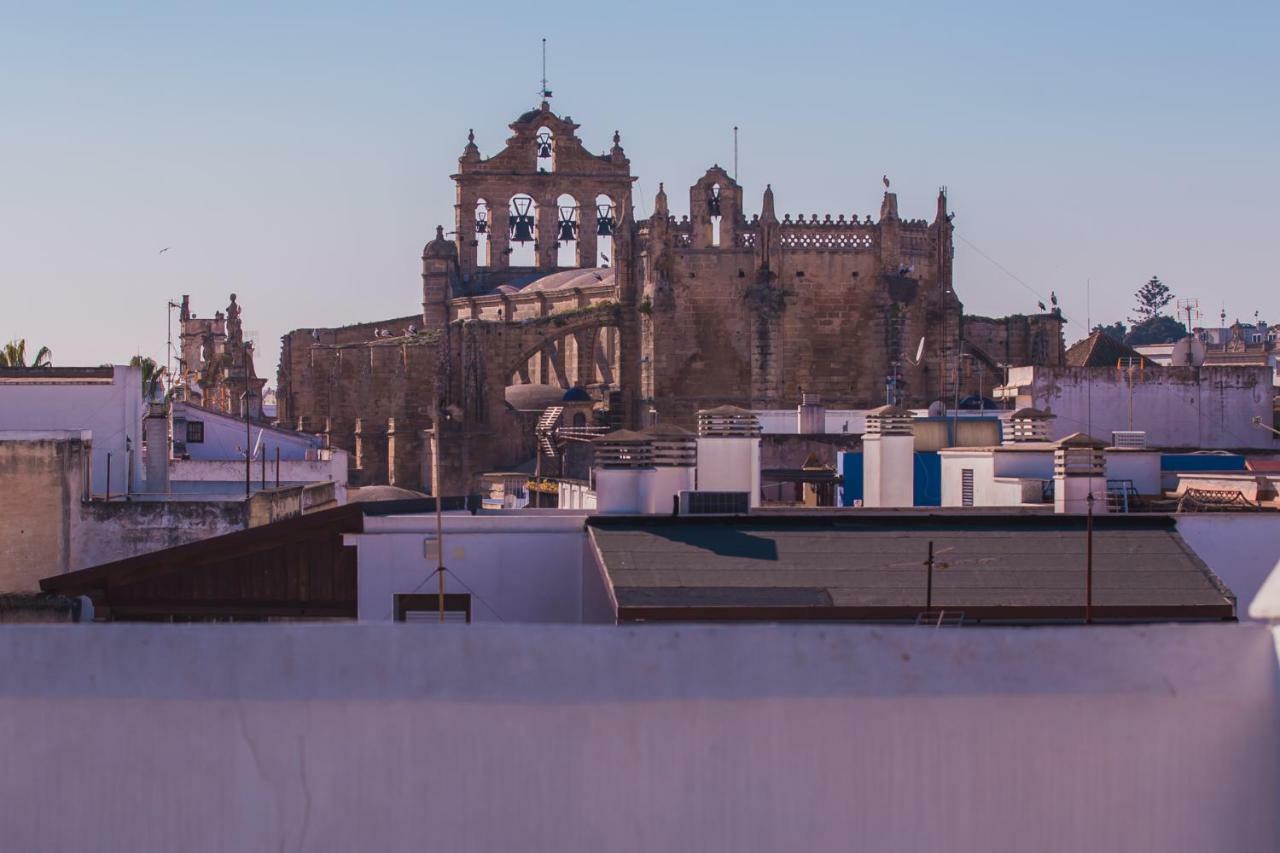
533,397
439,247
373,494
576,395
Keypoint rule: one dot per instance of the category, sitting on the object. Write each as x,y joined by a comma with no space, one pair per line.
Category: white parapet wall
729,465
745,738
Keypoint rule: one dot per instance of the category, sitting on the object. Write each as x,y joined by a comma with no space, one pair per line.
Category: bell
604,220
521,228
544,145
482,224
568,231
713,201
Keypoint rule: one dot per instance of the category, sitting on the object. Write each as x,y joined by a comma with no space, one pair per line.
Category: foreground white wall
1241,548
484,738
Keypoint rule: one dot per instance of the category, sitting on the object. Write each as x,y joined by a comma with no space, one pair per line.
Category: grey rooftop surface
994,568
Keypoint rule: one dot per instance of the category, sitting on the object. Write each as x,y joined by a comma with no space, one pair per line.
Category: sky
299,155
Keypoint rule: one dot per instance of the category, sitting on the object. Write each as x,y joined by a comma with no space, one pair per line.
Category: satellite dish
937,409
1188,352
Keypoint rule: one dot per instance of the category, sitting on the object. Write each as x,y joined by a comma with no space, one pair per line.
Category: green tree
1115,330
1157,330
1152,298
152,374
14,354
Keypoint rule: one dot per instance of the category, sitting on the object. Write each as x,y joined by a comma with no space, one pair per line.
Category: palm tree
14,354
152,374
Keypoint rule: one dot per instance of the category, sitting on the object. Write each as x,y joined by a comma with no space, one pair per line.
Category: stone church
548,284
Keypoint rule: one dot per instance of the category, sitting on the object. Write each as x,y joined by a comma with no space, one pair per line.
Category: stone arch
580,354
568,231
544,141
606,223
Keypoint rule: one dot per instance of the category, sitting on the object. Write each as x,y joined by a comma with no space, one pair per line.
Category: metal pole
108,477
435,488
928,593
264,467
1088,560
277,466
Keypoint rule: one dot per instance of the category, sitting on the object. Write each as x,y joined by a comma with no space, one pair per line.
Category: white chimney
155,432
729,452
675,460
1028,425
1079,470
622,473
888,458
811,415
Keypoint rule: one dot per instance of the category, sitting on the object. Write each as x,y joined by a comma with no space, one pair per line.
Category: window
966,487
425,607
195,432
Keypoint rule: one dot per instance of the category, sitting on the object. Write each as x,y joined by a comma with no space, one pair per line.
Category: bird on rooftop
1053,299
1042,308
315,335
412,330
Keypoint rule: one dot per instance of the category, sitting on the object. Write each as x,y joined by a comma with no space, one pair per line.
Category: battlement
827,234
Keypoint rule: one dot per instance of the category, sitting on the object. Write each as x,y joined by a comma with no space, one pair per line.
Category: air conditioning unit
715,503
1131,439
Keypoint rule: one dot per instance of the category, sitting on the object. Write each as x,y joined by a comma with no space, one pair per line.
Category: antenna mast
735,153
546,93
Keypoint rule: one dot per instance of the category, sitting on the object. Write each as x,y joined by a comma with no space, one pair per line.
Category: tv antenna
545,92
1191,309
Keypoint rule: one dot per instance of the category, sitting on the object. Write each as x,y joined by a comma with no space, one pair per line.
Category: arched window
579,419
545,145
522,227
482,244
567,220
606,221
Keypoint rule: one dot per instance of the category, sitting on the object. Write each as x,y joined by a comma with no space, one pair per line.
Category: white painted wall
888,470
224,437
526,566
332,466
111,411
650,738
1241,548
1209,407
729,465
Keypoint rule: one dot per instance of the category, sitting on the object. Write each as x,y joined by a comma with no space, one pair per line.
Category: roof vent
672,447
623,449
728,422
1079,455
1028,425
890,420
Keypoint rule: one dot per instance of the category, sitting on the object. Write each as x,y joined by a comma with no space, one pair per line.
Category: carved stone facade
215,368
549,280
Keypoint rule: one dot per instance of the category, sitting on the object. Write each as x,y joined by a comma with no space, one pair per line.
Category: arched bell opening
482,223
713,209
606,222
522,227
544,142
567,236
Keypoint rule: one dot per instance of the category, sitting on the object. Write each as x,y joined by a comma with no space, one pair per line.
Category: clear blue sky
300,156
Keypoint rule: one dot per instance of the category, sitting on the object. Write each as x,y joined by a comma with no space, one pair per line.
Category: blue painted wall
928,478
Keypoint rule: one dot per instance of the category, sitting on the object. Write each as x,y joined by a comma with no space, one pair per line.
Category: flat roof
999,568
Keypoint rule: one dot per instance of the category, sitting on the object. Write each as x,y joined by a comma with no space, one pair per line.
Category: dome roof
534,396
576,395
372,494
559,281
439,247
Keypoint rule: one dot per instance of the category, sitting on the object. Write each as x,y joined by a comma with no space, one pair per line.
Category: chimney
728,458
888,448
1079,470
622,473
155,432
811,415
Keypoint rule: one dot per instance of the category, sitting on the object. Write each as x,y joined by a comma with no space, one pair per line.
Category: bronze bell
544,145
482,223
568,227
604,220
522,222
713,201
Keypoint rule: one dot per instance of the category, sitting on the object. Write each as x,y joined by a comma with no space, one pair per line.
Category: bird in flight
162,251
885,178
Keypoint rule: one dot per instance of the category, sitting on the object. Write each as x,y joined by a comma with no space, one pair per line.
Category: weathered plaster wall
117,529
41,483
744,738
1178,407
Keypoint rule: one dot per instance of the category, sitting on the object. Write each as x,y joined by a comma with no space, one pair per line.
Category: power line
1002,268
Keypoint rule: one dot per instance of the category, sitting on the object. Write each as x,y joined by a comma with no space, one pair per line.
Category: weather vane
546,93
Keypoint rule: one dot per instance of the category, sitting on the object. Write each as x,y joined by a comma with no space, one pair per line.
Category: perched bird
885,179
1042,308
412,330
315,335
1053,299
